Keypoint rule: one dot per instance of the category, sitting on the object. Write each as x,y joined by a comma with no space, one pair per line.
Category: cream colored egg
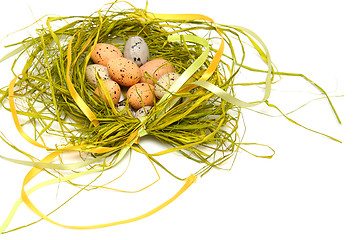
140,95
91,71
154,69
122,107
125,110
141,112
114,91
124,71
164,83
103,52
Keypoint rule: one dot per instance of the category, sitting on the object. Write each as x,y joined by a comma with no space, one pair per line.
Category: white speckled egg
165,82
137,50
142,111
120,108
90,73
124,110
114,91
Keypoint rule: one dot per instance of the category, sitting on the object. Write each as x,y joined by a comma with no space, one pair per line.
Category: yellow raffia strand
192,118
46,163
34,171
80,102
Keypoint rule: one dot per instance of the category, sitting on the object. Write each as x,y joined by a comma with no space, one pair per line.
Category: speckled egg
103,52
124,110
164,83
90,73
120,108
155,69
140,95
137,50
121,103
114,91
141,112
124,71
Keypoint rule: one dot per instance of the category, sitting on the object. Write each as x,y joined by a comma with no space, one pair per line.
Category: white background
309,190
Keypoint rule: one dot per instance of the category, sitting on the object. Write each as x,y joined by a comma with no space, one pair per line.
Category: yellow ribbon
91,116
79,101
188,17
34,171
216,59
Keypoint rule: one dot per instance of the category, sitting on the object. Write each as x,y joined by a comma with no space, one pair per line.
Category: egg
155,69
140,95
141,112
121,103
114,91
122,108
165,82
90,73
103,52
124,71
137,50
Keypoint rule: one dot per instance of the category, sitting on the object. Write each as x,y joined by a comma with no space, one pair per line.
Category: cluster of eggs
143,80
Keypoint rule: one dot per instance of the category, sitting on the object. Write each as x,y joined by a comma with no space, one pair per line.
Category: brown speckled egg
114,91
124,71
140,95
155,69
103,52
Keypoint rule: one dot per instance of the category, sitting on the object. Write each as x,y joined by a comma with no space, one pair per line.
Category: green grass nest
199,121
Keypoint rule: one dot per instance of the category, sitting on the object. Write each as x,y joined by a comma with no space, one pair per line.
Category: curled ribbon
46,162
